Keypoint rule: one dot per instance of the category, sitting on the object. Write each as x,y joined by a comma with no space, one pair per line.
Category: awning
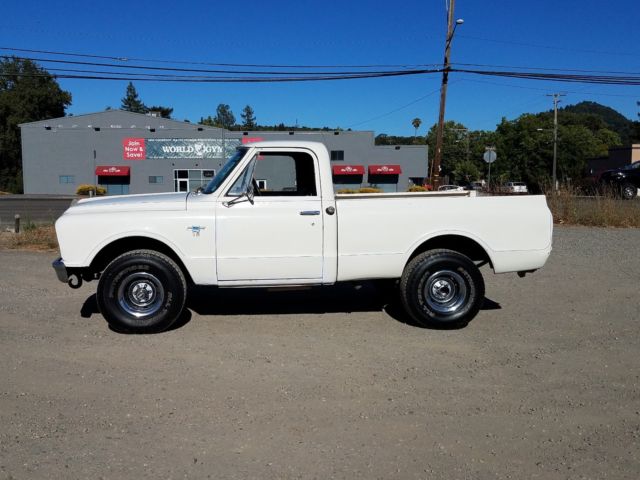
112,171
348,170
385,170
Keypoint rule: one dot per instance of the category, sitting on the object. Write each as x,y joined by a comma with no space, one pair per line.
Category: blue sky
590,35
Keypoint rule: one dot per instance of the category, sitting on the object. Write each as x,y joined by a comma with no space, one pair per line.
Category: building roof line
119,111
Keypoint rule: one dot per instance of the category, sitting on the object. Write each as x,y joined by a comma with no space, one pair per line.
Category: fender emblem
196,229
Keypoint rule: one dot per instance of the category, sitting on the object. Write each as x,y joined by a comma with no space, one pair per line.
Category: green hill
614,119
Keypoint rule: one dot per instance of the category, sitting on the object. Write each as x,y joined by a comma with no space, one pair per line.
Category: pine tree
131,102
224,116
248,118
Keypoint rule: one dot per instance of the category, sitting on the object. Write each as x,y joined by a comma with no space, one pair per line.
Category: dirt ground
332,383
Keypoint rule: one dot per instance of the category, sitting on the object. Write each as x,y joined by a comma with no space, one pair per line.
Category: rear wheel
442,288
142,291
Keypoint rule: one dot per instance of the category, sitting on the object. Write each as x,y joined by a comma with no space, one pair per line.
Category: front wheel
628,191
442,288
142,291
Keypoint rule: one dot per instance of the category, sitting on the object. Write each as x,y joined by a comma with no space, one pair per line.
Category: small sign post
489,156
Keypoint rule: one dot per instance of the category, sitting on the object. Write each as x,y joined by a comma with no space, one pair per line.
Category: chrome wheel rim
445,291
141,294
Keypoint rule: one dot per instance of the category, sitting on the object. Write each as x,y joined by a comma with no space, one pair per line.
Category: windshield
224,172
632,166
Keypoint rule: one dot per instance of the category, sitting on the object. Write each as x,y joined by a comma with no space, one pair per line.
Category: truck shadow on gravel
343,298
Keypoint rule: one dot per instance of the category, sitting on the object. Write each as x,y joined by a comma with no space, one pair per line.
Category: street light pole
434,176
556,100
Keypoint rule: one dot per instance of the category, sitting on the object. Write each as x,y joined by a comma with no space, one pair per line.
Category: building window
262,184
67,178
156,179
337,155
190,180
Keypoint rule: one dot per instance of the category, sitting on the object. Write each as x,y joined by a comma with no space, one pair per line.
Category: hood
128,203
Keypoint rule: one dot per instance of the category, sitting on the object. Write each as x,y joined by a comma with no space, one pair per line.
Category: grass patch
598,211
41,238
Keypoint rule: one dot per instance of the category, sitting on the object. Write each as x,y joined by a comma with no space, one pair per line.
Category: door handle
310,212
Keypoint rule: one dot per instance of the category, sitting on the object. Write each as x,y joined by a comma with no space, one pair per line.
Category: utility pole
556,100
434,177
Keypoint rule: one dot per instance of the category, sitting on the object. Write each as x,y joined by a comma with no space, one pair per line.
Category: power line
601,79
419,99
405,66
544,69
126,58
191,70
265,76
486,82
189,79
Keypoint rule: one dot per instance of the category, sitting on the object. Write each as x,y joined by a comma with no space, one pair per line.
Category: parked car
624,181
516,187
477,186
455,188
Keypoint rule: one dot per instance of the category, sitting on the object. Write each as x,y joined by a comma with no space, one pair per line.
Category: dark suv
624,180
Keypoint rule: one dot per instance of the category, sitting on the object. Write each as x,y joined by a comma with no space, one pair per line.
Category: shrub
598,211
417,188
32,238
85,189
360,190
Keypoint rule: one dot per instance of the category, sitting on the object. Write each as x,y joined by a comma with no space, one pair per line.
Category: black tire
141,291
442,288
628,191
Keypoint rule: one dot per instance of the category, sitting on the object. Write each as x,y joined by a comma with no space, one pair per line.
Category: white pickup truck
147,249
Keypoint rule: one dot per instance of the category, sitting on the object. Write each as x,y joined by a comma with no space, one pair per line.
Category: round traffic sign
490,156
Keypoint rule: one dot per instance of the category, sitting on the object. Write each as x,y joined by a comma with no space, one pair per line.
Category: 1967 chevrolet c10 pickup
147,249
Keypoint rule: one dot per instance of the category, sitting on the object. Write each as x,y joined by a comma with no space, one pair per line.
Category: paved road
39,209
544,383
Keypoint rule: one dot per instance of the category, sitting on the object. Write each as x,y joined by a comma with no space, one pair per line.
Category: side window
286,174
242,183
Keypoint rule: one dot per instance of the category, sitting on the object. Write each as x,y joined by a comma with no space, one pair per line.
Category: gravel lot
544,383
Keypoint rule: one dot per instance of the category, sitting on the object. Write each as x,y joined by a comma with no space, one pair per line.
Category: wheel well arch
127,244
458,243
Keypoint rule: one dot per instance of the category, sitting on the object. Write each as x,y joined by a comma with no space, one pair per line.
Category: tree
248,118
28,93
165,112
466,171
416,122
224,116
455,145
131,102
525,146
209,122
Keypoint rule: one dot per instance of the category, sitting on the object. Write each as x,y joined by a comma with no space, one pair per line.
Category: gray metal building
134,153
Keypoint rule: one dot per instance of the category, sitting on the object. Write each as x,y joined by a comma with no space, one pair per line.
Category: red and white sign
133,149
246,140
385,170
347,169
112,171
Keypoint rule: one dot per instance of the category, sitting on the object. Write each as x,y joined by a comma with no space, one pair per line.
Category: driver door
276,236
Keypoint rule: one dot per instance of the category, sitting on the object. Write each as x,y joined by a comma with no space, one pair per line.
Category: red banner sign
385,170
112,171
133,149
246,140
347,169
